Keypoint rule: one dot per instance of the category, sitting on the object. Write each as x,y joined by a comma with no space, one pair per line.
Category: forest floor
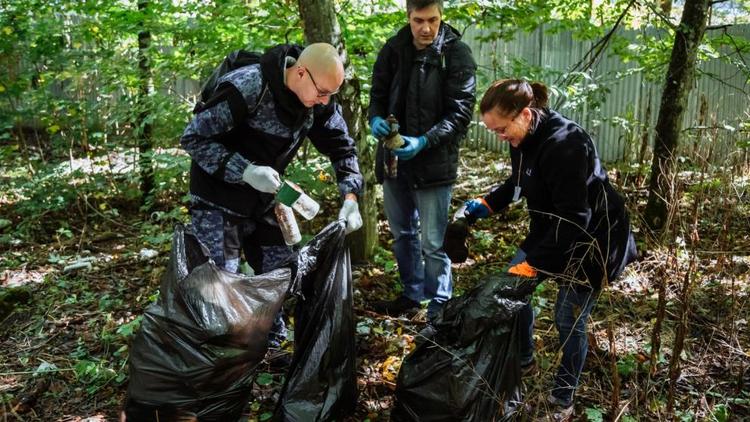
65,332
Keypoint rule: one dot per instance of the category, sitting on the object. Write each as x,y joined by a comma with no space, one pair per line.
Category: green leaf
627,365
127,329
264,378
594,414
720,413
265,416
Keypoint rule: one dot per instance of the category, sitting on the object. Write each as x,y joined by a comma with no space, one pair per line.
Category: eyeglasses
320,93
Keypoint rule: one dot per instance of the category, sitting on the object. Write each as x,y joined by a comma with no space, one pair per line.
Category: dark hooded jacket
579,227
270,134
432,93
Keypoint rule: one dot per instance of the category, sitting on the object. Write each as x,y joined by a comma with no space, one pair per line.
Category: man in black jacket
242,141
425,77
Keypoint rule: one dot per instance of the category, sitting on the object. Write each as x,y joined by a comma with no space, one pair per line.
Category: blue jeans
418,219
572,310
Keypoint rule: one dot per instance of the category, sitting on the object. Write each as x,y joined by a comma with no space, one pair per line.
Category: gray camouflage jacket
273,130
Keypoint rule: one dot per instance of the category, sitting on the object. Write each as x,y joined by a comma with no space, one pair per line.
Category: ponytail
510,96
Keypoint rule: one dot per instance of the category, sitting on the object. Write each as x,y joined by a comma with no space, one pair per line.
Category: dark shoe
426,334
530,369
402,305
434,309
557,411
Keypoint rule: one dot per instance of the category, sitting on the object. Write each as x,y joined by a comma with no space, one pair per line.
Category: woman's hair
510,96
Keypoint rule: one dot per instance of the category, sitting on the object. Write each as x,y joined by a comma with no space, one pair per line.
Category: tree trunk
321,25
144,127
673,102
644,130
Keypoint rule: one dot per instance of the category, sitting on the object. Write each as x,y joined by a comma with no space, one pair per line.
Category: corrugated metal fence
618,122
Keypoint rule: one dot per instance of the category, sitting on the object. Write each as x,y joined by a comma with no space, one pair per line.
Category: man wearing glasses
245,137
425,77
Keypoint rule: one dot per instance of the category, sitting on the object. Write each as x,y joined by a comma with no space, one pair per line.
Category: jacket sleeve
199,138
565,175
330,135
501,195
381,81
458,98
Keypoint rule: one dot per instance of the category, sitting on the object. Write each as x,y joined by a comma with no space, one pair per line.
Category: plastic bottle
287,224
392,141
292,195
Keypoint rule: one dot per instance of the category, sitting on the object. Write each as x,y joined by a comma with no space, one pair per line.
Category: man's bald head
317,74
322,59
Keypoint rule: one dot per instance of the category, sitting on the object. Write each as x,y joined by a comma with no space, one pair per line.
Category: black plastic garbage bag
195,354
469,370
321,384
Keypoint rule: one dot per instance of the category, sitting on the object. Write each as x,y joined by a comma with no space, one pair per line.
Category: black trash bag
195,354
456,235
469,369
321,384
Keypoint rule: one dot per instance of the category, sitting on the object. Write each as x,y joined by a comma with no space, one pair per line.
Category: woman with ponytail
579,232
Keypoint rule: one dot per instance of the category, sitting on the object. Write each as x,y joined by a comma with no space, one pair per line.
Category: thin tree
688,36
321,25
145,129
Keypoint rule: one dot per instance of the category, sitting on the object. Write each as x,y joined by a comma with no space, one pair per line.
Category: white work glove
350,212
262,178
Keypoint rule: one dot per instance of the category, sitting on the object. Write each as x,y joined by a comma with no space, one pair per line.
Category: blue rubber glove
478,208
379,127
411,148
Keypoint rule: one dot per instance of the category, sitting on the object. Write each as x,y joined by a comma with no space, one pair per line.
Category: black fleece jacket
579,228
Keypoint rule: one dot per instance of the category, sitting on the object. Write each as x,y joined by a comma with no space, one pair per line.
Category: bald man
244,139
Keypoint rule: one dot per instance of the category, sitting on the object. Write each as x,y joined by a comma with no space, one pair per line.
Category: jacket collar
290,111
446,35
540,132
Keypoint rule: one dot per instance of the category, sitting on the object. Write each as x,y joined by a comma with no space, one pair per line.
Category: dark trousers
572,310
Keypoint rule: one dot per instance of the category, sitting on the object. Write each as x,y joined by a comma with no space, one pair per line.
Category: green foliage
264,378
85,84
594,414
384,259
313,173
720,413
627,365
127,329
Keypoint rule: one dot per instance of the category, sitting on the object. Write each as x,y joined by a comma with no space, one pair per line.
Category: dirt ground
65,340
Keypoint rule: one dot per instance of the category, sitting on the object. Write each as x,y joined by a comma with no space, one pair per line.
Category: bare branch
715,27
595,52
720,80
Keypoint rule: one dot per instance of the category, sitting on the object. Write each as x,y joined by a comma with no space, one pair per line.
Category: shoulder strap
263,91
236,101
